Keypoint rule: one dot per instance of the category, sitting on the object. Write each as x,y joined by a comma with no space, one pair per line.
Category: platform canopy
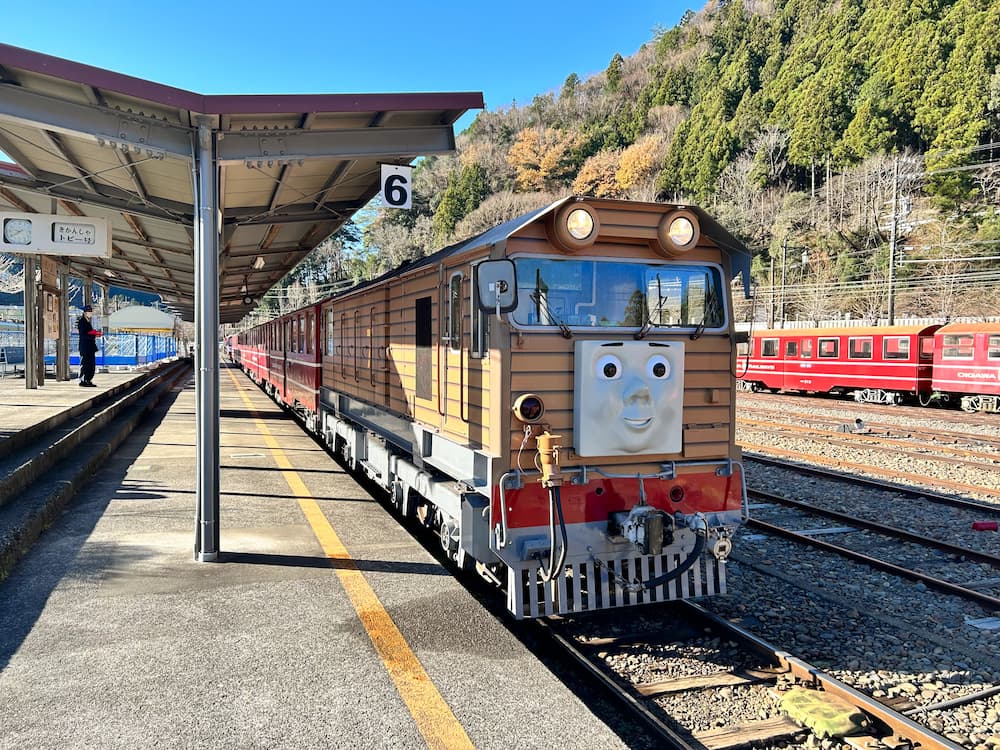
291,168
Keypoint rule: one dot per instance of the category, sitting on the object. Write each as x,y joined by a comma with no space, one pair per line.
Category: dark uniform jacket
88,342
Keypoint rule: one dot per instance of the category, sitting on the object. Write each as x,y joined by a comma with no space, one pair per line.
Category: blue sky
510,50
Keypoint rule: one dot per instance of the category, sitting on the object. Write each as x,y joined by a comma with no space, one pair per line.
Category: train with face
954,364
554,398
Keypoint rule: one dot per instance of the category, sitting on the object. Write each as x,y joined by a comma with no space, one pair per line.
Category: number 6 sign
396,186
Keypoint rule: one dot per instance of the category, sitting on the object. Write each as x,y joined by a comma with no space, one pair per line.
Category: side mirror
496,286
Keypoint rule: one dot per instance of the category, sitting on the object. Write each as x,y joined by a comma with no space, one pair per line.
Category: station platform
25,412
322,624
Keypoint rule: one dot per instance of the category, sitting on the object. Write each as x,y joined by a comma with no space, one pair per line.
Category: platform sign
397,186
55,234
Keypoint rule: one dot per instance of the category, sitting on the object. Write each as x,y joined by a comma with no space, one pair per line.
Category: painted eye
658,367
609,367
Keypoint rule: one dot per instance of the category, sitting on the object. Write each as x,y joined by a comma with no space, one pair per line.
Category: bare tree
500,208
871,301
11,274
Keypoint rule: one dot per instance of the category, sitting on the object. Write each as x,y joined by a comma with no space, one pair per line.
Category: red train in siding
957,363
967,365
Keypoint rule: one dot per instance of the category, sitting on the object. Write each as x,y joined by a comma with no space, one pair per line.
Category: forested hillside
793,121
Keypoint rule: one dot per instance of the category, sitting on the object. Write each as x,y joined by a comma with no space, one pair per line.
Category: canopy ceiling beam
285,146
161,210
126,131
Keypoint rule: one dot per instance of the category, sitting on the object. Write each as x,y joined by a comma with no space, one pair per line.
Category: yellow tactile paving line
434,718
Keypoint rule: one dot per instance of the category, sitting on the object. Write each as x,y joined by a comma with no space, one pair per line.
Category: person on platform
88,347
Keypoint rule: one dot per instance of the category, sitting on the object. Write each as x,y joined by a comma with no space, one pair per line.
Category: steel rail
902,727
909,536
637,706
988,602
951,500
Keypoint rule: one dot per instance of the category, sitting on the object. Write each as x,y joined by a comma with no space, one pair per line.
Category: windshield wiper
711,308
544,307
641,333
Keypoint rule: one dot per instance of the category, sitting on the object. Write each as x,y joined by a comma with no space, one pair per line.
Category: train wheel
449,534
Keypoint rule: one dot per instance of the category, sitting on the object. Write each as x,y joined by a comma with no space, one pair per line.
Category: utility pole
784,252
770,309
892,242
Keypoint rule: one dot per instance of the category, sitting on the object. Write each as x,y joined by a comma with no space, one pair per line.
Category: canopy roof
292,168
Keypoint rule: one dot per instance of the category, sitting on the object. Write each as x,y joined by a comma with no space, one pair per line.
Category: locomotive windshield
607,293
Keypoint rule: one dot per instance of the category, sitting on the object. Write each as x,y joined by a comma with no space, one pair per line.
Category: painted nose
637,392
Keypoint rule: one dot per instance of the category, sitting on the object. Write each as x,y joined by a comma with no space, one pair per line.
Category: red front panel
594,502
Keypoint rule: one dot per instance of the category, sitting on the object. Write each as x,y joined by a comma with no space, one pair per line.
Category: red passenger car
283,355
967,365
877,364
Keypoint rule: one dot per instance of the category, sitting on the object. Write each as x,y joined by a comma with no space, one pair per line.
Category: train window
480,322
454,326
423,340
609,293
859,348
310,332
927,348
993,346
958,346
302,334
742,348
769,348
895,347
343,347
829,348
791,348
807,349
328,348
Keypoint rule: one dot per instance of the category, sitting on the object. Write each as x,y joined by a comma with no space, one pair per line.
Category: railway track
913,567
699,681
916,493
910,433
884,441
791,404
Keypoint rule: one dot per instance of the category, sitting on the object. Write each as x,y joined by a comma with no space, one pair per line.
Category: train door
791,374
453,380
286,347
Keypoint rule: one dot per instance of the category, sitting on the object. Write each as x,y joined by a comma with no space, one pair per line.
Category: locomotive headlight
677,232
681,231
529,408
580,224
573,226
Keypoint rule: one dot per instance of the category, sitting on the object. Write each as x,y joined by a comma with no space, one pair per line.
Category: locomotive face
628,397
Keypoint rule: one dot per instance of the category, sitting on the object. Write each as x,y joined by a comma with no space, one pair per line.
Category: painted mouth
638,424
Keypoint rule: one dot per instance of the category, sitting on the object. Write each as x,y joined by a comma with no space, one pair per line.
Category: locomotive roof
709,227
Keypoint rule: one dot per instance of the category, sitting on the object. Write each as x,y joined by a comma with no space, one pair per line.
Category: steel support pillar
31,353
206,290
62,346
39,326
105,295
